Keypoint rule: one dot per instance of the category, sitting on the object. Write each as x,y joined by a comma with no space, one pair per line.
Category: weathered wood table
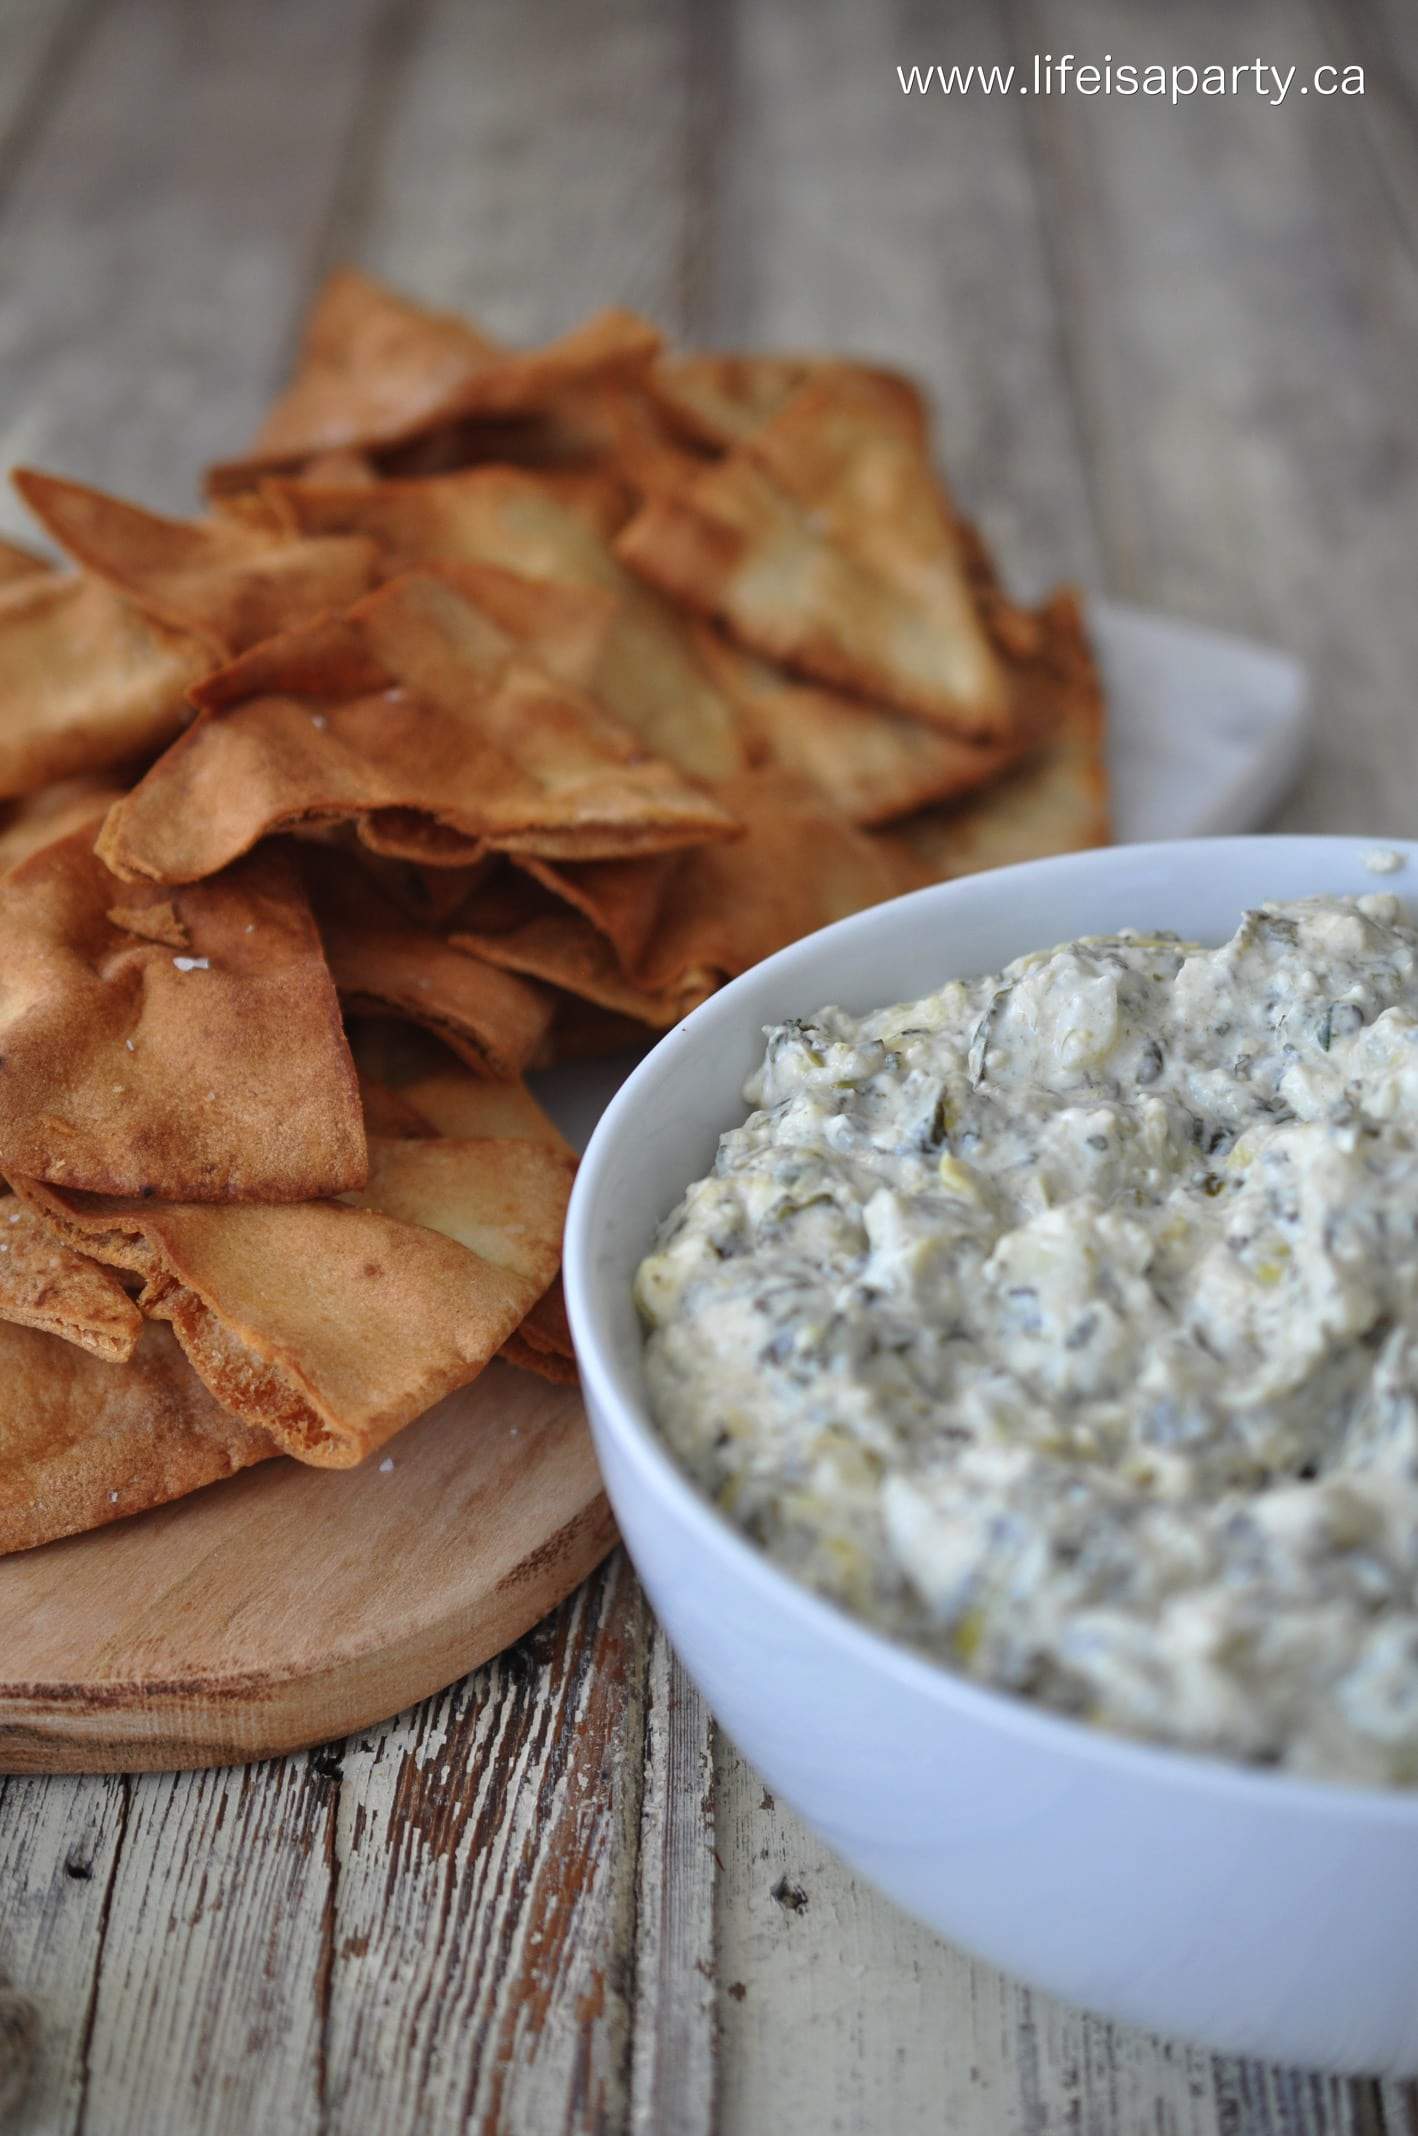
1175,352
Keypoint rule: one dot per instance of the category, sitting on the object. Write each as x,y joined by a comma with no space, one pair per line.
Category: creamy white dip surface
1064,1323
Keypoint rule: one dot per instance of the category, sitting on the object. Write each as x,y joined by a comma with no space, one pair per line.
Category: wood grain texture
159,230
211,1629
1173,355
1242,314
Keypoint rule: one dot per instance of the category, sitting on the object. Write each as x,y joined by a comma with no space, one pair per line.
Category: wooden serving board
289,1604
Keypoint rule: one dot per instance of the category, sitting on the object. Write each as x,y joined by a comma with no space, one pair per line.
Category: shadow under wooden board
290,1605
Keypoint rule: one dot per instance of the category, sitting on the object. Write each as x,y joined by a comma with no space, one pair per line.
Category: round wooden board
290,1605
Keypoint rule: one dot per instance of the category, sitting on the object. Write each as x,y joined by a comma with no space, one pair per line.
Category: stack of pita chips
500,705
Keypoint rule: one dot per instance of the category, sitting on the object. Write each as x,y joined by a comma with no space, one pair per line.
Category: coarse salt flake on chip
213,1069
415,717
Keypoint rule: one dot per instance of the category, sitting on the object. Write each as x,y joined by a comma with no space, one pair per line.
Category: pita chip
621,898
230,580
446,1099
377,369
647,673
45,1284
562,949
543,1342
390,1115
131,1064
82,1444
17,562
1056,801
465,1110
420,721
799,866
458,1106
874,764
739,548
523,925
716,401
583,1032
383,966
86,680
332,1324
38,819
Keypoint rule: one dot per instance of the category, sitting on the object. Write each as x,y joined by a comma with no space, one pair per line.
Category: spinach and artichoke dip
1065,1324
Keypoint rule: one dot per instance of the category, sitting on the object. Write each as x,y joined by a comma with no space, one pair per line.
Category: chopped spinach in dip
1065,1324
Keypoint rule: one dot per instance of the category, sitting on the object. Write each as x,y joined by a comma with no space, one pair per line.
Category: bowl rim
623,1411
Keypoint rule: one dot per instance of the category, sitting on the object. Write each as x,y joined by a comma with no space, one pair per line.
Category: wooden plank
1382,37
838,2012
60,1846
158,235
1242,321
38,43
206,2010
486,1881
674,2073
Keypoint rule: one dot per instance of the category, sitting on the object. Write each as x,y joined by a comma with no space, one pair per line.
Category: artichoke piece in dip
1064,1324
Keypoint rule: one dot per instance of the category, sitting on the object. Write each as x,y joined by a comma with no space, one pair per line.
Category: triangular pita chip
218,1069
562,949
83,1443
740,548
1055,802
799,866
718,400
445,1098
648,673
383,966
854,447
86,680
332,1326
45,1284
230,580
418,719
872,763
429,1100
376,369
621,898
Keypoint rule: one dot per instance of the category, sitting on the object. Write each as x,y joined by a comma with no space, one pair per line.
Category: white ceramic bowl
1257,1913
